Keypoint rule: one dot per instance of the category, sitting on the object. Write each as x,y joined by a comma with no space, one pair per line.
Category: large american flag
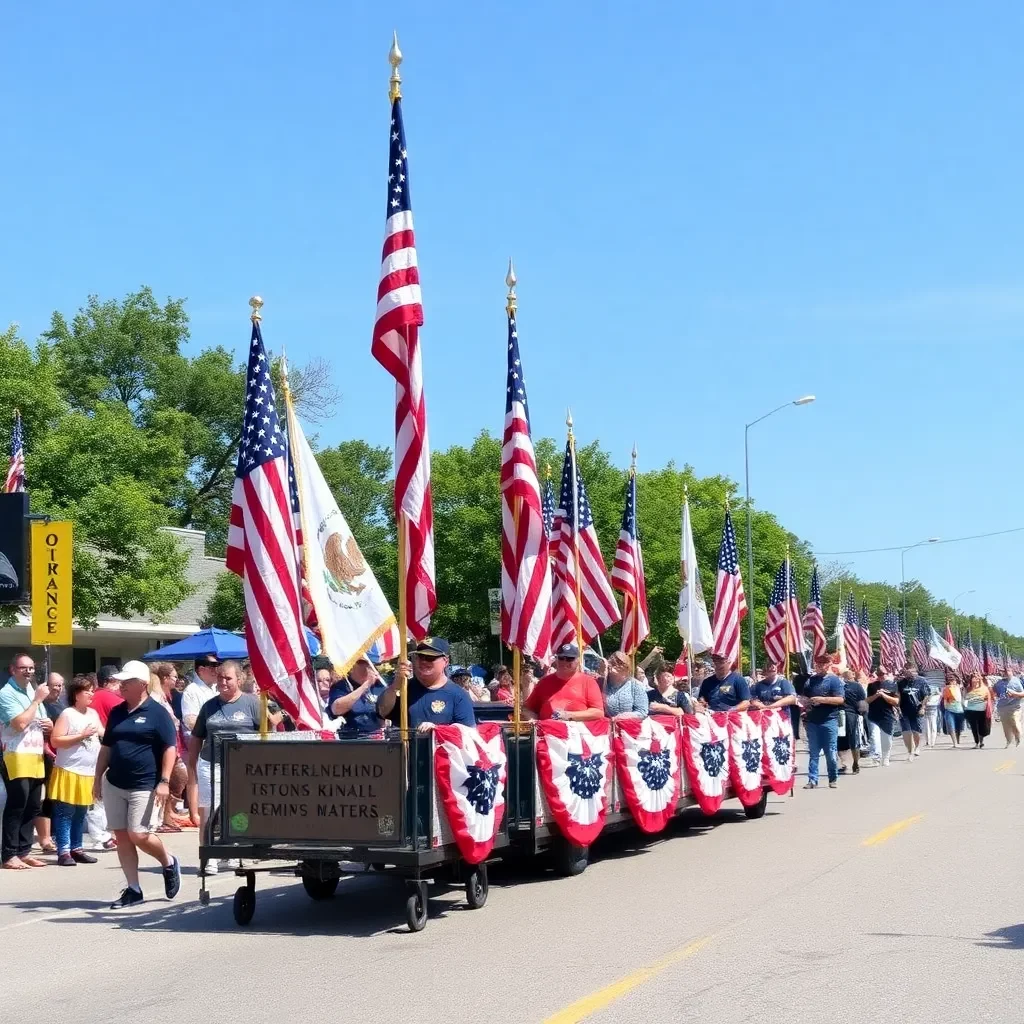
892,645
851,633
968,659
263,549
866,649
730,601
396,347
16,467
525,579
628,575
782,629
920,646
814,620
574,527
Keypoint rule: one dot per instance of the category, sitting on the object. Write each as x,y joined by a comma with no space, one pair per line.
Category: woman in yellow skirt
76,739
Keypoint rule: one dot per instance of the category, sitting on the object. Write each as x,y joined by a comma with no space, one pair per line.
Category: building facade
116,640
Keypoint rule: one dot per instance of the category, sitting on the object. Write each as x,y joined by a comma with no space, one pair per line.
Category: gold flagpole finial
511,280
547,470
686,491
394,59
568,420
632,465
257,304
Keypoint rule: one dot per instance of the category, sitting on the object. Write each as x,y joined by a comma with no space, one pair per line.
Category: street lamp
903,575
963,593
805,400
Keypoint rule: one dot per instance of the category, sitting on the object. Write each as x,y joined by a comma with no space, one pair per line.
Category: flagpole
256,303
785,666
395,94
511,304
687,640
631,486
576,534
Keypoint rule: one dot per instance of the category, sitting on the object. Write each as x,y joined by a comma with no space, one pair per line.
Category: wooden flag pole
401,526
517,657
576,535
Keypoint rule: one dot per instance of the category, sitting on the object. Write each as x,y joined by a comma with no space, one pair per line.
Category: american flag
548,506
814,621
920,646
628,574
396,347
969,659
730,601
574,527
866,650
16,467
782,629
988,659
851,633
892,646
263,549
525,579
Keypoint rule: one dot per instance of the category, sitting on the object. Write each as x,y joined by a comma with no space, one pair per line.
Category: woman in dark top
854,697
883,699
355,698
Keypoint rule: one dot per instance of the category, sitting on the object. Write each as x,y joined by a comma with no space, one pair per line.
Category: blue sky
712,207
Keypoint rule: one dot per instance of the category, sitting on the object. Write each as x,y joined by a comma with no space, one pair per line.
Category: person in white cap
132,778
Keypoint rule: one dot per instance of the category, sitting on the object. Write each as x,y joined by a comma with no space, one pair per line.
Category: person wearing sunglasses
432,697
566,693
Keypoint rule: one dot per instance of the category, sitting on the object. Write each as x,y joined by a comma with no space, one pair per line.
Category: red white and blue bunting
706,756
779,751
574,762
649,766
470,768
745,752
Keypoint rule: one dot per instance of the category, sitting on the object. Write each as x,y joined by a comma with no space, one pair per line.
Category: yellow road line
891,830
1005,766
603,997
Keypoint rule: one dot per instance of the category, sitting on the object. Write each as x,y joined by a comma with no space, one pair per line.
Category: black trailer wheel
320,888
244,904
477,887
757,810
416,908
571,859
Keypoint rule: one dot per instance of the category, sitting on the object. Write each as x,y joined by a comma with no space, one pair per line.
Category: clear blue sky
712,207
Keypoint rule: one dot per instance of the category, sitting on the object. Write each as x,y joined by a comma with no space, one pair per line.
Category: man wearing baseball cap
132,779
433,698
566,693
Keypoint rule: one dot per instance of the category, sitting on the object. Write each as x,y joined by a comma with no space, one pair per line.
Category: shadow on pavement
1011,937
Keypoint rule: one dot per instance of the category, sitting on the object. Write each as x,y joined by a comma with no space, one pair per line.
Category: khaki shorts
129,809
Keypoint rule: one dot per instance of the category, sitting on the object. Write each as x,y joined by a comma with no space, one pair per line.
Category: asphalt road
896,897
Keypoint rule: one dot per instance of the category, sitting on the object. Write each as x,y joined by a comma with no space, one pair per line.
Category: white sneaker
211,867
885,763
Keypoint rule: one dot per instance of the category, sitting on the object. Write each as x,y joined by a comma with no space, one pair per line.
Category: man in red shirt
566,694
108,692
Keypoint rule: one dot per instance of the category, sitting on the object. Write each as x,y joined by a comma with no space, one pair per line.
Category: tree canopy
126,431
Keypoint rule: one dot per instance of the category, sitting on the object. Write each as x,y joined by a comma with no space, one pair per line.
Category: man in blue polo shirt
774,691
824,695
725,690
433,699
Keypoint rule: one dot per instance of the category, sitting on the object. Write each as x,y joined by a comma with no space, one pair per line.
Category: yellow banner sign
51,583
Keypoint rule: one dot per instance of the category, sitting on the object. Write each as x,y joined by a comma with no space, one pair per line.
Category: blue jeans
820,738
68,825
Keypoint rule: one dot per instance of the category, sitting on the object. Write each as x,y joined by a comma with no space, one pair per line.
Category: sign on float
51,583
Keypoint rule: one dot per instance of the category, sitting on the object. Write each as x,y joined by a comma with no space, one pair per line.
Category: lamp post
903,574
963,593
806,400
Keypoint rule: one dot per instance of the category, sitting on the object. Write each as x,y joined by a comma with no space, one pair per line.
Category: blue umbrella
218,642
